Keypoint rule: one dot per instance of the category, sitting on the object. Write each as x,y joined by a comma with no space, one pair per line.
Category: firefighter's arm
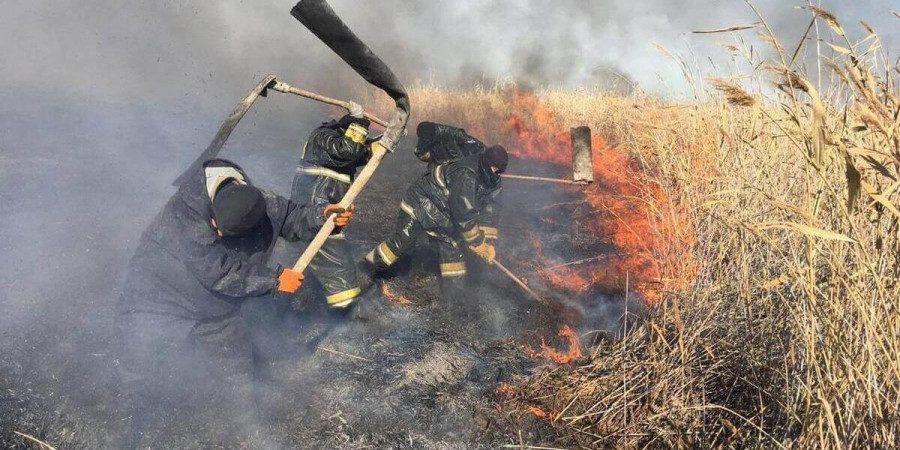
490,218
219,271
295,221
463,208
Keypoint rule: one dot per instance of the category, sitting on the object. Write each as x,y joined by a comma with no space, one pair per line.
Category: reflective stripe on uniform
449,270
217,176
342,299
439,179
337,236
491,232
357,133
408,209
385,253
325,172
473,234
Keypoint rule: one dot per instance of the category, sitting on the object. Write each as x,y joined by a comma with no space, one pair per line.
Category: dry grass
788,335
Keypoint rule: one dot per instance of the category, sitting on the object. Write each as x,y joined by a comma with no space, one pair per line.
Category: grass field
771,213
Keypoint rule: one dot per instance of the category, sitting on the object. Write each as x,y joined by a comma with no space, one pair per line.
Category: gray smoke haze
104,102
177,52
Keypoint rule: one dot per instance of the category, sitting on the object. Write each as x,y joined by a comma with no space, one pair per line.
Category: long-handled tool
518,281
582,161
582,158
288,89
261,89
322,21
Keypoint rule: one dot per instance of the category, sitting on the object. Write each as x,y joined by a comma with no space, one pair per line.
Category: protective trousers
403,240
335,268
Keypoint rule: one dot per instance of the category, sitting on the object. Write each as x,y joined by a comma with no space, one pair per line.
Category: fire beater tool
261,90
582,161
582,158
321,20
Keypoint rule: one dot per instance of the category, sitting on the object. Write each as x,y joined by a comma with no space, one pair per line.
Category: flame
626,208
553,354
390,295
504,388
650,245
538,412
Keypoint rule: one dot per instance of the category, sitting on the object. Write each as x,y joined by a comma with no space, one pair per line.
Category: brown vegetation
788,330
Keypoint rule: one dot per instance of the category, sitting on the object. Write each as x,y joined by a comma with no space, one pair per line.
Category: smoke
179,52
104,102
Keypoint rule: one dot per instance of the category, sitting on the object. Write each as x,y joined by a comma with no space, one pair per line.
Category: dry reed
788,334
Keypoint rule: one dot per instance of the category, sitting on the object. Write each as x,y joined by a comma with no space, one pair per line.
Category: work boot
374,311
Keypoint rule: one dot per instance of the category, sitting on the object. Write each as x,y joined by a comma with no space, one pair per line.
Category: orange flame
648,242
538,412
553,354
390,295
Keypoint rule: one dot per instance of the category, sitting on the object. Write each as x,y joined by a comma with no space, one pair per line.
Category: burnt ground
81,180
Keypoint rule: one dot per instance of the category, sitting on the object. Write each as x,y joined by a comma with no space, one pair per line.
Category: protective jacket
456,201
327,167
448,144
183,269
456,205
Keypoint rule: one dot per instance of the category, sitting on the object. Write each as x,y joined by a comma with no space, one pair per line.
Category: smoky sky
192,52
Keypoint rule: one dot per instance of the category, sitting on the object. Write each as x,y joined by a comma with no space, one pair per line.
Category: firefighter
328,164
200,258
455,203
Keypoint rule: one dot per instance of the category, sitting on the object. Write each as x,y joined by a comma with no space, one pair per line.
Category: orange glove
343,215
289,281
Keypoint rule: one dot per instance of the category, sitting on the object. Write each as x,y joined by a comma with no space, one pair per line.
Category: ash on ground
424,373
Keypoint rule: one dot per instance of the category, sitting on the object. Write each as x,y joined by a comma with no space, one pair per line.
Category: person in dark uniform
328,165
197,262
455,204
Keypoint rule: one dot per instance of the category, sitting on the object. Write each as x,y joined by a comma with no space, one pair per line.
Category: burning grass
621,209
765,230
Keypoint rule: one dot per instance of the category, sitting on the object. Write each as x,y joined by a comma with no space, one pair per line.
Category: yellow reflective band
342,299
386,254
408,209
357,133
456,269
439,179
491,232
325,172
472,234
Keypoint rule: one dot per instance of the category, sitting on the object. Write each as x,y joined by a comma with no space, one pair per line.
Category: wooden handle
518,281
545,179
288,89
359,183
